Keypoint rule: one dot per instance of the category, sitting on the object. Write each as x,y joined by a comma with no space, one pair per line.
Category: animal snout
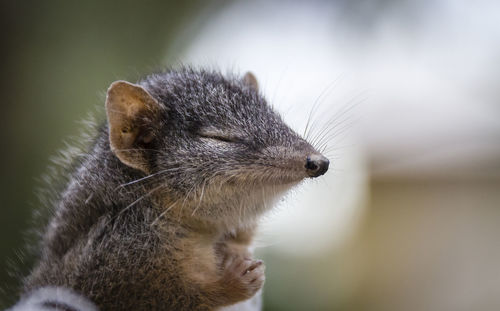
316,165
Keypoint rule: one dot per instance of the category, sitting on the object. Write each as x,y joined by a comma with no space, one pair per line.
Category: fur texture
174,234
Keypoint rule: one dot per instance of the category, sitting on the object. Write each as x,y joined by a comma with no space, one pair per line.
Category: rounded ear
133,116
250,80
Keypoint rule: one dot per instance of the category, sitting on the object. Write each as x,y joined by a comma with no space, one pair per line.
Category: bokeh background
407,218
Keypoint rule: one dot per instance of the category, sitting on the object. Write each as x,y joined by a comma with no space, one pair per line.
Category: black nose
316,165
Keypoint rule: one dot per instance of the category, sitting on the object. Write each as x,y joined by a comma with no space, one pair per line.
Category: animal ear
133,116
250,80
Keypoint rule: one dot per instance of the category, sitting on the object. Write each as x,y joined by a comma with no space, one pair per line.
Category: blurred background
407,92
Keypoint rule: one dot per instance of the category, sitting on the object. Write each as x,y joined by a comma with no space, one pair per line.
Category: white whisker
163,214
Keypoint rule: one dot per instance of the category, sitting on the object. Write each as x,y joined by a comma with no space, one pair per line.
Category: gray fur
219,157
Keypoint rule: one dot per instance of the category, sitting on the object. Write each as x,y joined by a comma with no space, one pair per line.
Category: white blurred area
409,214
298,67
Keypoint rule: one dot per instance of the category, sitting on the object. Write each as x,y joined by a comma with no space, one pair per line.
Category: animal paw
243,277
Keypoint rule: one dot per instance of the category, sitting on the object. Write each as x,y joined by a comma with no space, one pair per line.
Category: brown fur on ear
132,113
250,80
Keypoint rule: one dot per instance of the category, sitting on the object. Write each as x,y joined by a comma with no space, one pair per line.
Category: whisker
320,140
327,148
347,108
163,214
341,130
147,177
335,131
201,198
139,199
132,204
185,199
317,101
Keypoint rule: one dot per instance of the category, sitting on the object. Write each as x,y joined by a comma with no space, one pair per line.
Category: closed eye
227,137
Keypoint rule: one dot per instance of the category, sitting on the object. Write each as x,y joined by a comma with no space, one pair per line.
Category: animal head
212,142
